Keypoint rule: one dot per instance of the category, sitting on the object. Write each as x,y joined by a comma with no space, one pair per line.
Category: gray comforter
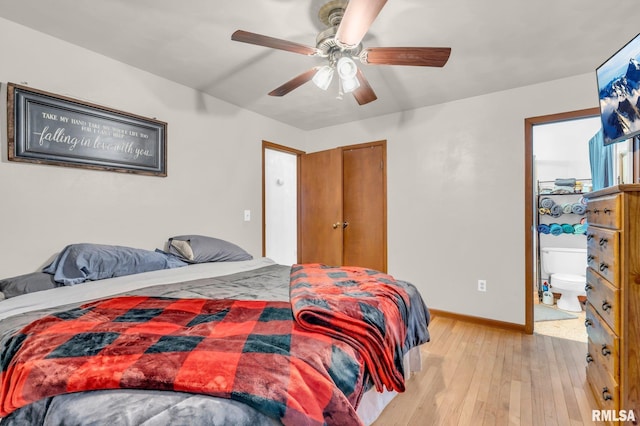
140,407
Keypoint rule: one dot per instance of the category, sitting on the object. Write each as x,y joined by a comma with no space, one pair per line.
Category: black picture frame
45,128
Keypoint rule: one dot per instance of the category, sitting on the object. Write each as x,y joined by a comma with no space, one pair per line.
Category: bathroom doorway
556,151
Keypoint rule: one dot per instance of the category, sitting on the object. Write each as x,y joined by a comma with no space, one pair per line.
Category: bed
293,366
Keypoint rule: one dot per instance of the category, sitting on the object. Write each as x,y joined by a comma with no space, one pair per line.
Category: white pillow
183,248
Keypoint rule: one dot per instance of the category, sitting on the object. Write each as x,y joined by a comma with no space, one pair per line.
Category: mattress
257,279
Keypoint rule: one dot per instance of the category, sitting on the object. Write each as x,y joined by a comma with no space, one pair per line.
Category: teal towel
556,229
579,228
567,229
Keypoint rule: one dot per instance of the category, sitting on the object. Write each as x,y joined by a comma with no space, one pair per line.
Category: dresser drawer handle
596,211
606,395
605,350
606,305
603,242
589,358
588,287
588,323
603,267
589,237
607,210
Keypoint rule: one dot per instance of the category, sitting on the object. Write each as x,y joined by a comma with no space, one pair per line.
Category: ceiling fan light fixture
349,84
347,68
323,77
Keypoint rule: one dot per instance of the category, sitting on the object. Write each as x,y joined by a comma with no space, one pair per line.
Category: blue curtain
601,161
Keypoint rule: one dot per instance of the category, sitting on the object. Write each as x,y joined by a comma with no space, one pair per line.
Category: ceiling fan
347,23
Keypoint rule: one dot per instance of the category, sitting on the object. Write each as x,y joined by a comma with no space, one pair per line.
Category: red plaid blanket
250,351
363,307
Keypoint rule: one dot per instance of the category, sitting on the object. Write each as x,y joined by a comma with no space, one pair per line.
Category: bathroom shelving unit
565,239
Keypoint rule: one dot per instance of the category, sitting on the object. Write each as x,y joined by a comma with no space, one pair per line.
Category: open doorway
532,190
542,171
280,168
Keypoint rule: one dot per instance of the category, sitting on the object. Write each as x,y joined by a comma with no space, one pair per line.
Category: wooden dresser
613,297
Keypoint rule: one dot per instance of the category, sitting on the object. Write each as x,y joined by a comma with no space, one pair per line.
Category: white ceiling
496,45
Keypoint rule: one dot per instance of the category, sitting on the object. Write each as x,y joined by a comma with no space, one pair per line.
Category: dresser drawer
606,269
605,390
605,212
604,345
605,298
603,248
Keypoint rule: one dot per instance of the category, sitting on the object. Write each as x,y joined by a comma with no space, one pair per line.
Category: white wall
214,161
456,192
455,176
561,150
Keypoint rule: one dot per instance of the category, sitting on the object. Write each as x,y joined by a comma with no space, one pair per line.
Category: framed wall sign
49,129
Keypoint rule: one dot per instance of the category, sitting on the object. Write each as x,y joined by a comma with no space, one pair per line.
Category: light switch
247,215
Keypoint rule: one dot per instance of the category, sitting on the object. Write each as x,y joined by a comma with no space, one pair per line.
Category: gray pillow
78,263
201,249
28,283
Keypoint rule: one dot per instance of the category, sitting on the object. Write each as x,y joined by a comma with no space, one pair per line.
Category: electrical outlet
482,285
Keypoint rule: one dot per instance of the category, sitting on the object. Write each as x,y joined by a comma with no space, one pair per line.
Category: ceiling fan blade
364,94
275,43
414,56
294,83
356,21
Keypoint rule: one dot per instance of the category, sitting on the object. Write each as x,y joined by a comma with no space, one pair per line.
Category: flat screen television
619,93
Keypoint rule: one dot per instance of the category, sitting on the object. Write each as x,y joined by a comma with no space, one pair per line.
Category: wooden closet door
343,207
321,207
364,207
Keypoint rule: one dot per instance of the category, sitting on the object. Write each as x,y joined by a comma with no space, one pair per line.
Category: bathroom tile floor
572,329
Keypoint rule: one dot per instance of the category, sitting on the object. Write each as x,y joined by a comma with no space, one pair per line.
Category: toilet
566,268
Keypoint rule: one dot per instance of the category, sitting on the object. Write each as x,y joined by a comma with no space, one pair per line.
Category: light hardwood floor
478,375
